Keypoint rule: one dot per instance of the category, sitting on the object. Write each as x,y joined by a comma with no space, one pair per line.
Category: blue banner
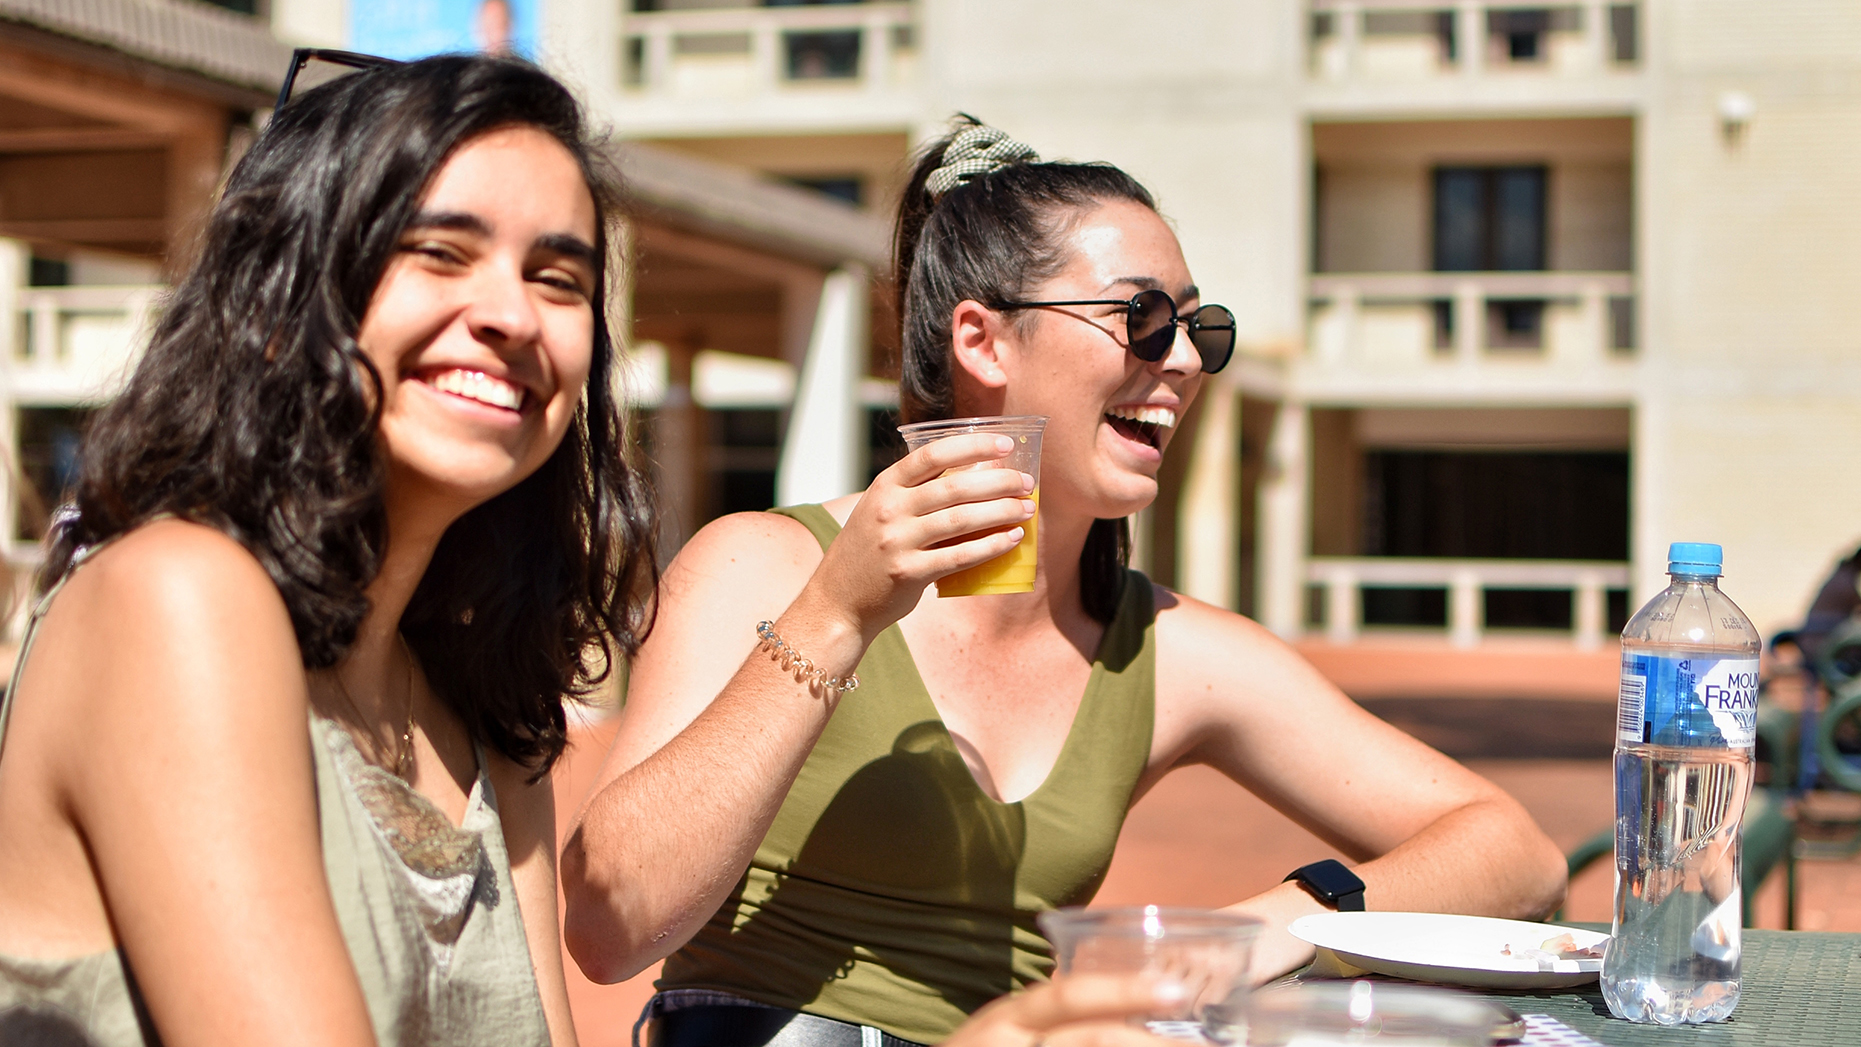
417,28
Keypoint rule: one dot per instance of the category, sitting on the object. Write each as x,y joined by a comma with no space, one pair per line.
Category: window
829,55
48,272
1622,324
1489,218
1622,32
1520,33
1513,505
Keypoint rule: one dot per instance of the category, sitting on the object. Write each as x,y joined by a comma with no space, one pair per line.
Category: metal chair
1769,837
1832,731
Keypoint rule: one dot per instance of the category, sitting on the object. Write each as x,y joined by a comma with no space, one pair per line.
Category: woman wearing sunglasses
826,857
274,767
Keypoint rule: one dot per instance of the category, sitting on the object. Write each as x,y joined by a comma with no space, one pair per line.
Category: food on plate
1560,947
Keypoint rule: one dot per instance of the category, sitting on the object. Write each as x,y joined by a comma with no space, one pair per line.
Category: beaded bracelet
804,670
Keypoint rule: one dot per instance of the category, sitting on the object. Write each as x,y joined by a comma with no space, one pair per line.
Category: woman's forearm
661,845
1486,858
703,761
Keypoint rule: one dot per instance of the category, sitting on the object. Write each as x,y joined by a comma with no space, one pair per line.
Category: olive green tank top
427,910
892,891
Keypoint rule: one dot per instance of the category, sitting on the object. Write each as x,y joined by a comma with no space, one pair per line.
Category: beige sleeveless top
427,910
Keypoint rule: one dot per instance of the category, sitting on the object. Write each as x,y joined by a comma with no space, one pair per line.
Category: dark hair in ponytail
255,412
990,239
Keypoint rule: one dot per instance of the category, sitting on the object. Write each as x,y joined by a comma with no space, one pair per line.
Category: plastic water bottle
1686,721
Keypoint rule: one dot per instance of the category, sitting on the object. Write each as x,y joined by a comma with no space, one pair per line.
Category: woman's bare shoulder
170,581
754,542
1203,650
171,558
1186,622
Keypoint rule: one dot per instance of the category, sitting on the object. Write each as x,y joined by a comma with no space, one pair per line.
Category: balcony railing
73,345
1383,38
725,52
1342,581
1419,319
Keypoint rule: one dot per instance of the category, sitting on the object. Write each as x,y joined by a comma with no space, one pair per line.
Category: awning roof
741,206
180,34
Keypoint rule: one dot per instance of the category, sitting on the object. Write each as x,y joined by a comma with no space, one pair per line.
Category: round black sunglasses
1150,326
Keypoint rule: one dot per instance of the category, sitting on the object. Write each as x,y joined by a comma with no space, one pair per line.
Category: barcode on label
1629,707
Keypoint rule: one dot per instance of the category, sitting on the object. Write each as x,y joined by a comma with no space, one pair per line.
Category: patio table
1801,989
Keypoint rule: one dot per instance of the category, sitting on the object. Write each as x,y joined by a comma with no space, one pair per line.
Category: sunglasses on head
1150,326
315,66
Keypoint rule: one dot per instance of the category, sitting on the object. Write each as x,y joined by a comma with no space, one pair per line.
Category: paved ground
1198,839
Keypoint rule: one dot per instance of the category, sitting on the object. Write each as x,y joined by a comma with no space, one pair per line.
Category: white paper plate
1450,950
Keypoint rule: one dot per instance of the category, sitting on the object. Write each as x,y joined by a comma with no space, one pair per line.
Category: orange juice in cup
1013,571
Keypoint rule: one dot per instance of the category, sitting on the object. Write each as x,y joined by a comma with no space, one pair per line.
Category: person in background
1799,658
1836,604
491,27
868,862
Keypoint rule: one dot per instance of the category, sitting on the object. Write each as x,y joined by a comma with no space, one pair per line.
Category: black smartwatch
1330,882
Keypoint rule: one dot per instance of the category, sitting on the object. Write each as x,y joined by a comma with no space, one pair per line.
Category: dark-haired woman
276,756
875,857
276,764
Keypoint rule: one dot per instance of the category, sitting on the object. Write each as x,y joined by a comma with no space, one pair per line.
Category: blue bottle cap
1695,558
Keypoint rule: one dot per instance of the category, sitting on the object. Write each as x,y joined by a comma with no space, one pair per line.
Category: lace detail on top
427,911
444,865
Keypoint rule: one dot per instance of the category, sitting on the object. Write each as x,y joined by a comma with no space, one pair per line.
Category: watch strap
1331,883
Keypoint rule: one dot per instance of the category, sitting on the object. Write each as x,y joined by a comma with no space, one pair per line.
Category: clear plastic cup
1014,570
1320,1014
1209,952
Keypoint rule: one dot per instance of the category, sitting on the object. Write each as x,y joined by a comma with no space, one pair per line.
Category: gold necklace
404,753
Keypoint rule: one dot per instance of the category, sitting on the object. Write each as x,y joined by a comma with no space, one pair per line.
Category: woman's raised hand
925,517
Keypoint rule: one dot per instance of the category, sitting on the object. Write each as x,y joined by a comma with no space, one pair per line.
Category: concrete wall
1746,247
1195,101
1752,240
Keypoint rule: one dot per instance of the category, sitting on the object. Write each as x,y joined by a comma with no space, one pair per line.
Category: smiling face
1110,414
482,326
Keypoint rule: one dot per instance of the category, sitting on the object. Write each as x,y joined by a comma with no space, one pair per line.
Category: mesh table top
1800,988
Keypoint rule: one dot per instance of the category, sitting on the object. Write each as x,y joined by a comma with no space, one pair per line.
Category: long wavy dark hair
255,412
991,239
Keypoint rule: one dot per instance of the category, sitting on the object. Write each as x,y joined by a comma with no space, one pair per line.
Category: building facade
1525,293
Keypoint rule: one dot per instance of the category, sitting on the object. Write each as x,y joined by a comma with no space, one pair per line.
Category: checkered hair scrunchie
976,151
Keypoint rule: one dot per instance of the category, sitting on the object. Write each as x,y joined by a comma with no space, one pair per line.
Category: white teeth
1162,416
476,385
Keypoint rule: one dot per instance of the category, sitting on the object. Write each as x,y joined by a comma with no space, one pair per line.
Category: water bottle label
1696,700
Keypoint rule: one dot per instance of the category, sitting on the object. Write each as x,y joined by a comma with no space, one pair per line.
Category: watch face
1331,878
